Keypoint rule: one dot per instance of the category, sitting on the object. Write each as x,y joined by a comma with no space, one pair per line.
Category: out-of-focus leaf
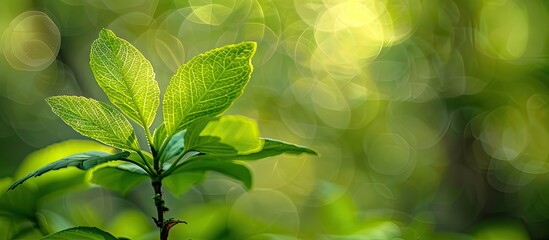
81,233
96,120
209,221
140,224
82,161
210,163
120,178
339,215
273,148
126,76
225,135
207,85
272,237
377,229
501,229
179,183
19,203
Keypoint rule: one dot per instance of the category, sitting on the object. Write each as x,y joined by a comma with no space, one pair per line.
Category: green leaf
126,76
64,180
210,163
207,85
159,136
82,161
20,203
225,135
96,120
174,147
137,158
179,183
273,148
120,177
81,233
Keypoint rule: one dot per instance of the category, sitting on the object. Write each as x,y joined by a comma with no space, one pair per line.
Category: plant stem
158,202
161,223
160,208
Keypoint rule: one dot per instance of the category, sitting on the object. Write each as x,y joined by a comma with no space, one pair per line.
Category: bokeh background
431,116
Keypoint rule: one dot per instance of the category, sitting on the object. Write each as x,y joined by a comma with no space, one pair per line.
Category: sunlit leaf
121,178
179,183
207,85
96,120
225,135
82,161
210,163
82,233
126,77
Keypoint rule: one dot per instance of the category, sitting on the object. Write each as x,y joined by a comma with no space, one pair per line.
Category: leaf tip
11,187
106,33
313,152
248,186
251,44
50,99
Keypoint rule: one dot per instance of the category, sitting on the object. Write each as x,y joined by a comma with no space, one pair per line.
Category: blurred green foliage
431,117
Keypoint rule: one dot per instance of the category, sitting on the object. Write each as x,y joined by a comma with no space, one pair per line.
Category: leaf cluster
193,138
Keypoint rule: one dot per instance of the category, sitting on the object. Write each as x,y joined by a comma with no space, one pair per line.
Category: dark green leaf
82,161
81,233
121,178
212,146
272,148
210,163
174,147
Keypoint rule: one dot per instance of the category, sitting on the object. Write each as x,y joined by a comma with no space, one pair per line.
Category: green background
431,116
